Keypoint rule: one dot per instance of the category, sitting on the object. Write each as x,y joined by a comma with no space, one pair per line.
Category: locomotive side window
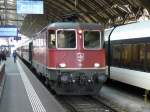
66,39
92,39
52,39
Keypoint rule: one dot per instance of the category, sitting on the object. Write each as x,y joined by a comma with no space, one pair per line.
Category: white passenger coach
130,54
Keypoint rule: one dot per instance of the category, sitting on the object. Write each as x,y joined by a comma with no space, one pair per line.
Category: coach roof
130,31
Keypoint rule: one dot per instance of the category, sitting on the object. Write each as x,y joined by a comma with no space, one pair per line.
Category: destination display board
30,7
8,31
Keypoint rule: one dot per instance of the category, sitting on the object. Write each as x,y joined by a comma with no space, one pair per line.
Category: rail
2,77
83,104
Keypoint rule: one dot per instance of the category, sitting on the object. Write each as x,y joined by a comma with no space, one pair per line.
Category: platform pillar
146,96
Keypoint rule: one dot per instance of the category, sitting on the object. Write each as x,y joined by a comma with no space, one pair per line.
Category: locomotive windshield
92,39
66,39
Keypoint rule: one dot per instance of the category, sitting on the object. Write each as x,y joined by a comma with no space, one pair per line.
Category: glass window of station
91,39
66,39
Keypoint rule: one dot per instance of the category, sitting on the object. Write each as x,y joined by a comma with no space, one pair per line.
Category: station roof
106,12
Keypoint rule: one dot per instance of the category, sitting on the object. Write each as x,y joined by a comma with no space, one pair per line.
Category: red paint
69,57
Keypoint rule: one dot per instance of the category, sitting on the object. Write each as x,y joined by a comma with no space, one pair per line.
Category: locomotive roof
71,25
129,31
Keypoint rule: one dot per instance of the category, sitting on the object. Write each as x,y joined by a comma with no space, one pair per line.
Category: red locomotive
70,57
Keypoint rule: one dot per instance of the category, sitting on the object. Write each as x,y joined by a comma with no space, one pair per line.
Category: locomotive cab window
92,39
52,39
66,39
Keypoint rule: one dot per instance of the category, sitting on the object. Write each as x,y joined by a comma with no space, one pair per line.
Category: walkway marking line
32,95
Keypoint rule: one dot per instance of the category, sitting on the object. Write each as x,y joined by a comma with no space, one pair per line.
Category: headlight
96,65
62,65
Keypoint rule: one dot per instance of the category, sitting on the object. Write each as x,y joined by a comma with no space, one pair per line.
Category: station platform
24,93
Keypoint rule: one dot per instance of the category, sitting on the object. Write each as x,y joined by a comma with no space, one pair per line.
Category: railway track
84,104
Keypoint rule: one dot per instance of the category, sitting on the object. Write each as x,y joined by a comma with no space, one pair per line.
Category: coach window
66,39
116,55
142,56
148,56
126,55
92,39
52,39
138,53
